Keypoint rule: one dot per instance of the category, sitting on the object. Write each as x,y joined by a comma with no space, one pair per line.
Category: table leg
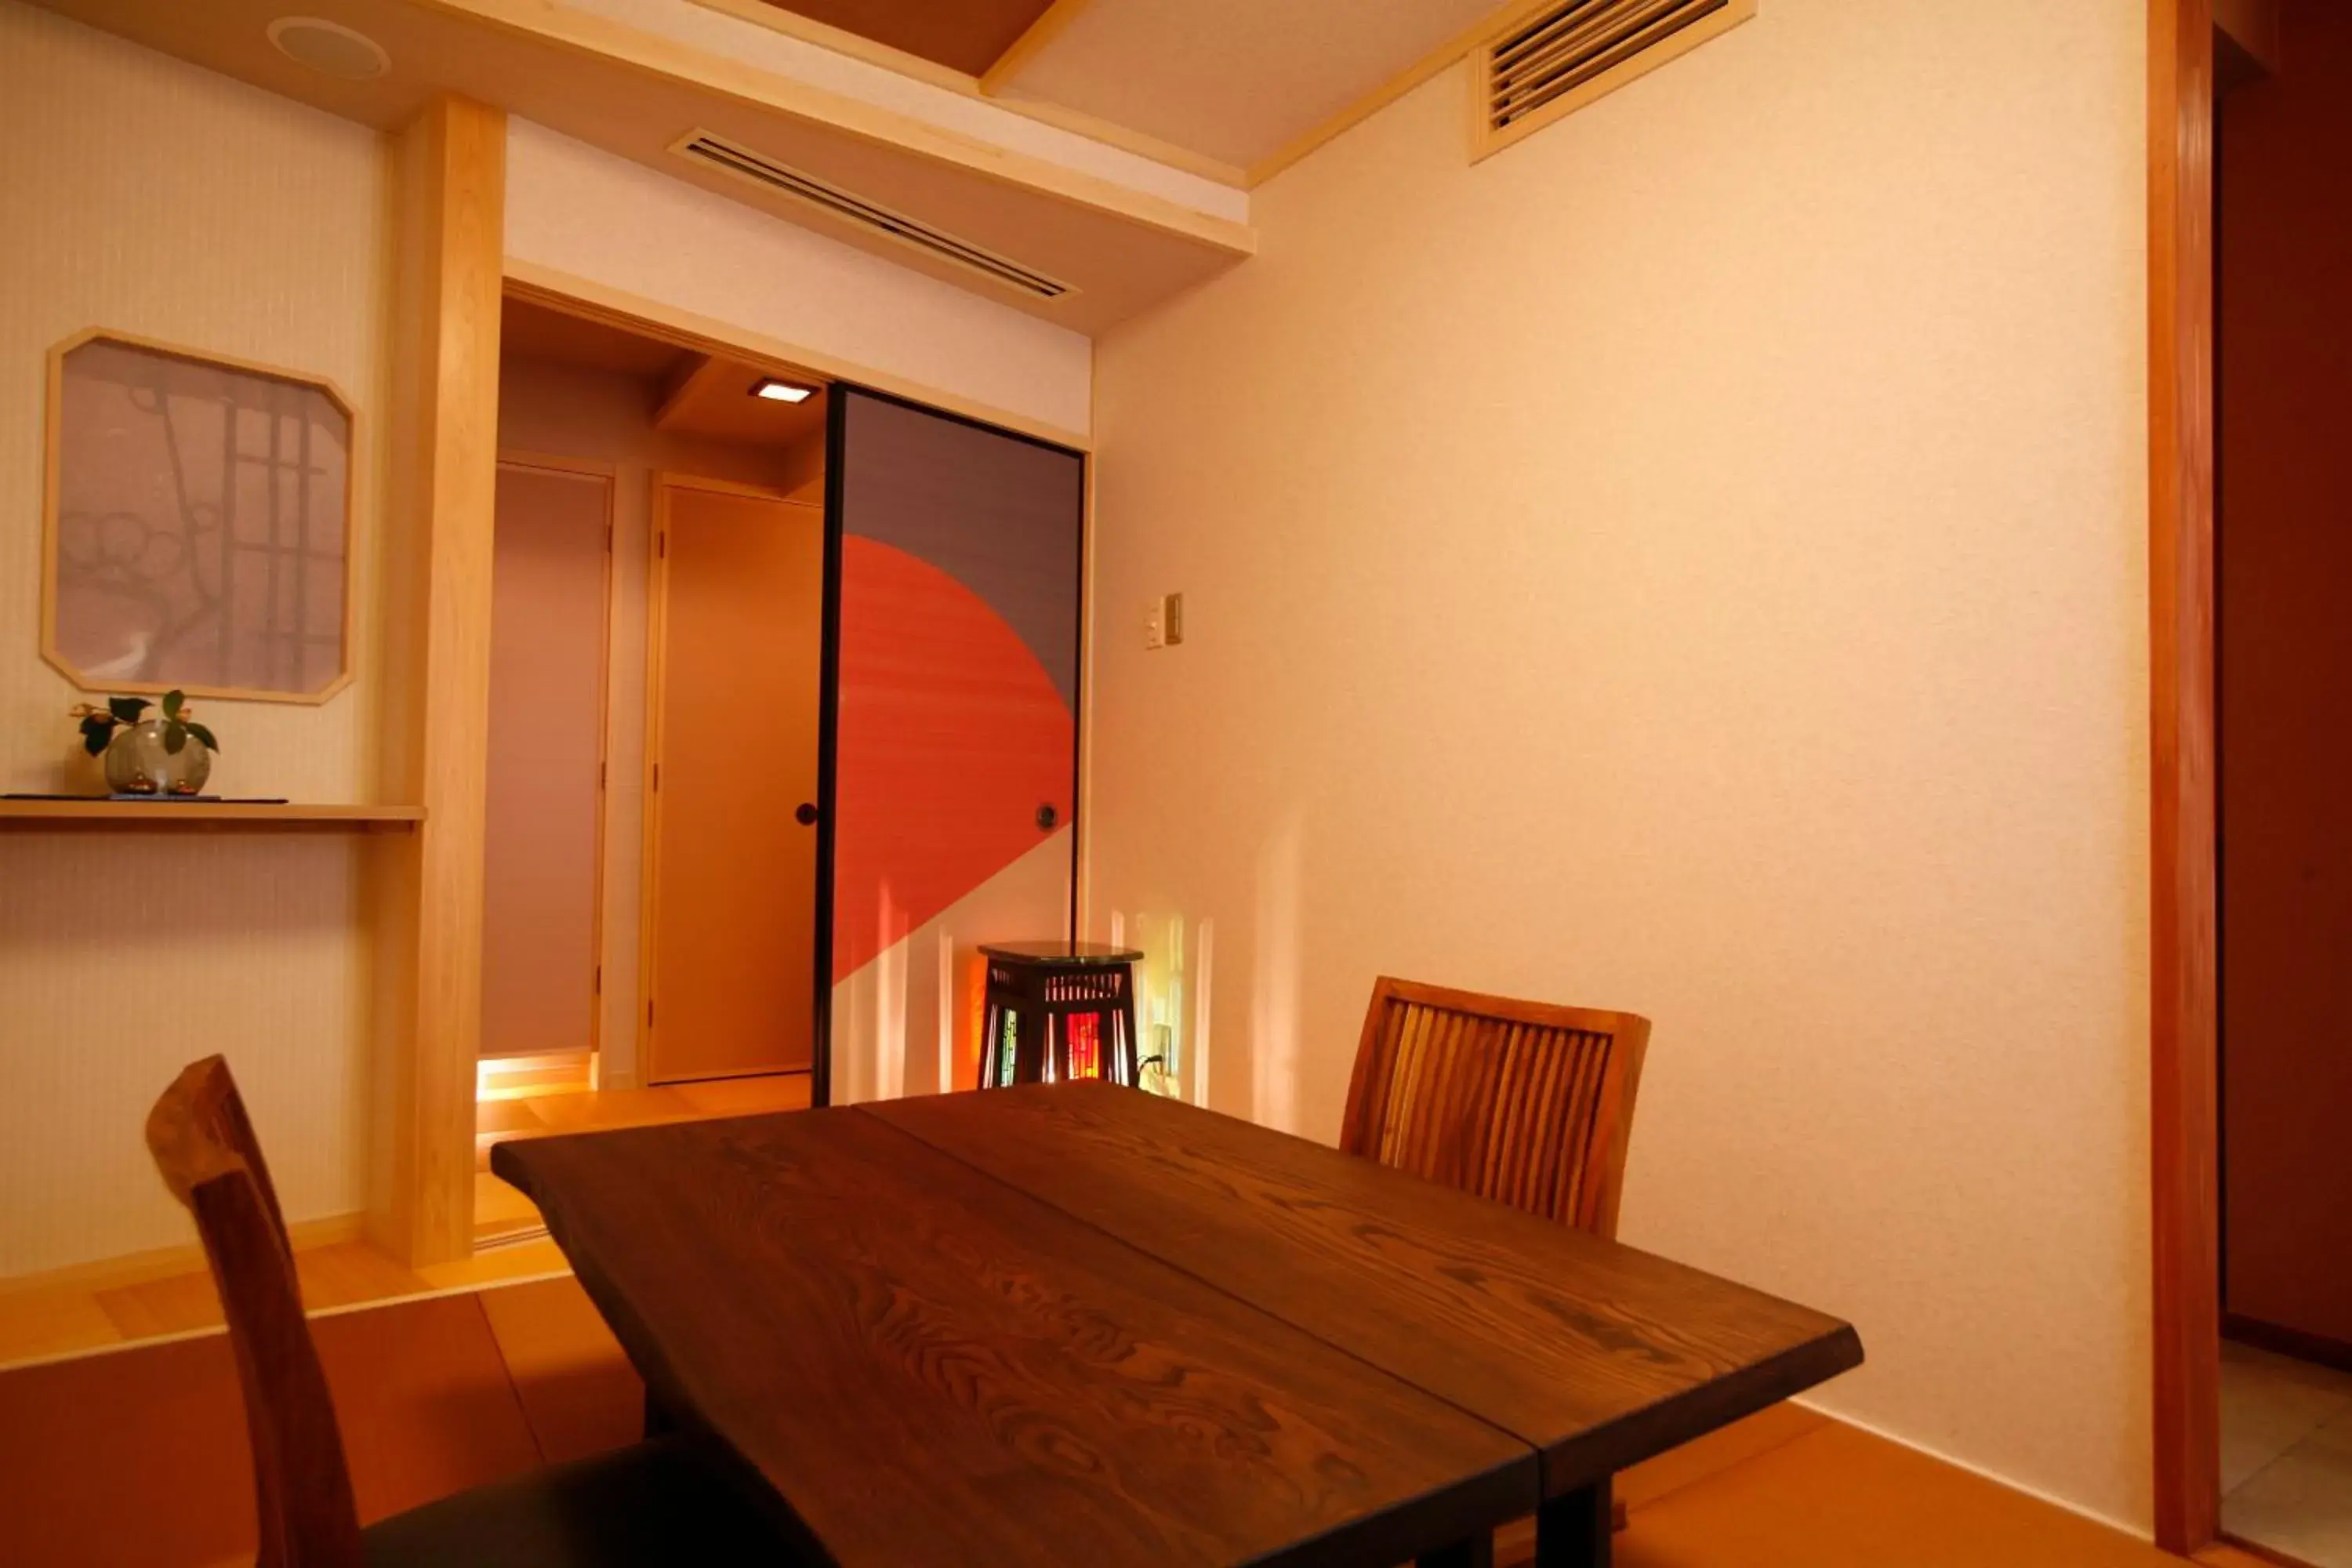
1572,1531
1478,1551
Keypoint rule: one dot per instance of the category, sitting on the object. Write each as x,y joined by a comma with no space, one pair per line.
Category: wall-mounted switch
1163,621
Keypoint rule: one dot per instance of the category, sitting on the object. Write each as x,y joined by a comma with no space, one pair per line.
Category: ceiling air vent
1559,57
734,158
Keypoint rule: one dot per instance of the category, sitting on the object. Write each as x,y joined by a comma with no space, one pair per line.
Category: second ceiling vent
745,163
1563,56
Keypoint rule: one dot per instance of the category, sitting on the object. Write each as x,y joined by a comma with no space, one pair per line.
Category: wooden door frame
2196,49
423,890
656,638
586,467
2184,955
593,300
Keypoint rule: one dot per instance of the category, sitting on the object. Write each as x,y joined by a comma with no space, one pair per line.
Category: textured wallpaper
146,195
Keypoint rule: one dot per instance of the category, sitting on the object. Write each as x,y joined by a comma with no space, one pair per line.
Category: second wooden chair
1525,1102
652,1503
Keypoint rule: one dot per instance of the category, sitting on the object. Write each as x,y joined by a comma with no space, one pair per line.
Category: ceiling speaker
329,46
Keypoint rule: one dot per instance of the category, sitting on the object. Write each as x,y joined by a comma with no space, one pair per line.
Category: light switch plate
1155,630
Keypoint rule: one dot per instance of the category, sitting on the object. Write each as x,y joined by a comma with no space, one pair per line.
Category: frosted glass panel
201,526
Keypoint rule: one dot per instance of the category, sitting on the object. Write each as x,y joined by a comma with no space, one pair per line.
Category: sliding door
953,730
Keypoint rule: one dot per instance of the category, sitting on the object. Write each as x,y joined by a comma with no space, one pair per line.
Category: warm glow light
532,1078
776,391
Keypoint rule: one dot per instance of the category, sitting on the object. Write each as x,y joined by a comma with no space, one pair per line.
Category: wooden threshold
2230,1554
2320,1350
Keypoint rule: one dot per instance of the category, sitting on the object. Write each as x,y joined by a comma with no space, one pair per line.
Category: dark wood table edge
668,1410
1574,1464
1440,1520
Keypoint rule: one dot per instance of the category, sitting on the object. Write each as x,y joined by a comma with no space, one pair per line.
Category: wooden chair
652,1503
1524,1102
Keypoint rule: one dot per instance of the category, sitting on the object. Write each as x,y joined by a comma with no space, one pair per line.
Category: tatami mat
1837,1497
138,1455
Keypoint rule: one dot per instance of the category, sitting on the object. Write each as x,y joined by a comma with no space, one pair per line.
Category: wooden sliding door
731,747
954,736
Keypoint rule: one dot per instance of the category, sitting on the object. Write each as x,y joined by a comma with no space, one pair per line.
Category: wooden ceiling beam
686,385
1026,48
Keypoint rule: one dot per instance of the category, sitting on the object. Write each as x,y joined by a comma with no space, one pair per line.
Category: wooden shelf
215,816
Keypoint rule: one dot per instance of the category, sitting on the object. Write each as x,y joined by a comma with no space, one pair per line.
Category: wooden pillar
449,180
2184,953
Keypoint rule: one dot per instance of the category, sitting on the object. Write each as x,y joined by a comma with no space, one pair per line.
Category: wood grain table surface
1596,1354
929,1366
1076,1323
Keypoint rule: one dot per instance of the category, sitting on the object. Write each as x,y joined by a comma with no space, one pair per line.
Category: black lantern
1058,1010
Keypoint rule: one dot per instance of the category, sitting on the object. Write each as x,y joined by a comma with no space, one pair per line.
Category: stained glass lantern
1056,1010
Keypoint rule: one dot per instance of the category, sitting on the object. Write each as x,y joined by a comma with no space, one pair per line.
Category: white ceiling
1235,79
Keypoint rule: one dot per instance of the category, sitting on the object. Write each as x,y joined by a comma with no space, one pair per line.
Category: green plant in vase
148,756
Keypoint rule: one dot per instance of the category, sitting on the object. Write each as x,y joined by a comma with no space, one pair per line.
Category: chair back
202,1143
1523,1102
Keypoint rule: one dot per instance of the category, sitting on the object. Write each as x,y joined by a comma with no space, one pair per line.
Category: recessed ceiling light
776,391
330,46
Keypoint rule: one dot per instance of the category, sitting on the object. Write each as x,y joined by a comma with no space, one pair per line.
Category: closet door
736,600
544,799
953,730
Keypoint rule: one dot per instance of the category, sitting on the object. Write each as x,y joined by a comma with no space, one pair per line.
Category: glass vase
137,761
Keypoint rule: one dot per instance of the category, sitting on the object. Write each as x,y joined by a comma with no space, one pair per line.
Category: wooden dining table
1079,1323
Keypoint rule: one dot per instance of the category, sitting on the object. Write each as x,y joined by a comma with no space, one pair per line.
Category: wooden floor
138,1455
128,1300
501,1211
536,1115
102,1306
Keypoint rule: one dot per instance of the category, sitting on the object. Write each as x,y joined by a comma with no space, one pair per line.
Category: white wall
1694,562
584,212
145,195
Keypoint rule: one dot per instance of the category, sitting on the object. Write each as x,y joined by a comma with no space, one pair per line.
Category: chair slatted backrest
1523,1102
202,1143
